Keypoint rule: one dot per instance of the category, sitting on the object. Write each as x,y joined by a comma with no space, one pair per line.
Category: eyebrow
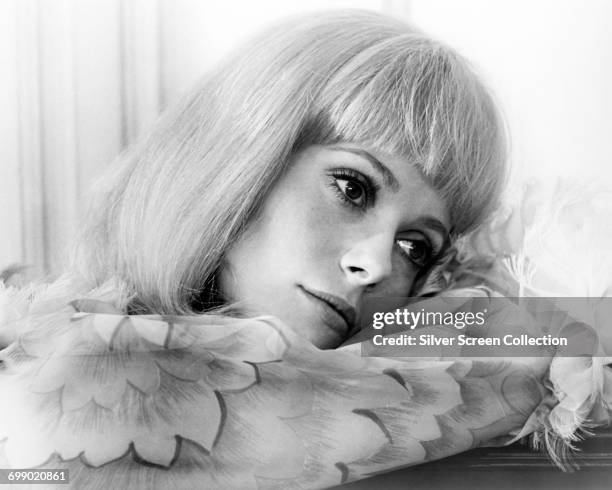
388,177
436,225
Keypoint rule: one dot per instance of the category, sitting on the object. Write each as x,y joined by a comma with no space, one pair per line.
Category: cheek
313,228
321,231
290,239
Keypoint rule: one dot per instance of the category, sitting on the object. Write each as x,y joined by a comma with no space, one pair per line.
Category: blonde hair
163,216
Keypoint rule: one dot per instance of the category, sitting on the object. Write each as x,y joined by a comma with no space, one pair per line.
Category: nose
368,261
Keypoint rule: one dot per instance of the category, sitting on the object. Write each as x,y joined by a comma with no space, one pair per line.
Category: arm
213,402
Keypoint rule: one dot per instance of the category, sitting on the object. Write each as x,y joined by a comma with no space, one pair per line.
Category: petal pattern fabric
216,402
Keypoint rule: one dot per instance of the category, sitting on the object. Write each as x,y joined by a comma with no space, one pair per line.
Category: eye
354,188
418,251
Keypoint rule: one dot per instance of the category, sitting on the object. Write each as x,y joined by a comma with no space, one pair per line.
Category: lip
340,308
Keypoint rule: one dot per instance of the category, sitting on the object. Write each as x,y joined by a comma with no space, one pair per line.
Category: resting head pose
333,159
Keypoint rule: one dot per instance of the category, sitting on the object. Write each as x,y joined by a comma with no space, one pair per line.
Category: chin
323,338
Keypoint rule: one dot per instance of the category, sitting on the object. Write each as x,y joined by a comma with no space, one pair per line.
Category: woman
331,161
319,80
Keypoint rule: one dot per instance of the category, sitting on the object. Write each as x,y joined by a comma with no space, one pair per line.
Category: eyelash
430,254
352,176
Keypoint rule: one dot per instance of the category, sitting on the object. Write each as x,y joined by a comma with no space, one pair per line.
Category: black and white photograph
348,244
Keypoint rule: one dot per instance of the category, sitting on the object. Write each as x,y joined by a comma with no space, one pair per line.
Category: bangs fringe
413,97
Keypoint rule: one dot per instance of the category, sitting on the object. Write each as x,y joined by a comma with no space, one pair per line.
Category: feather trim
537,246
17,302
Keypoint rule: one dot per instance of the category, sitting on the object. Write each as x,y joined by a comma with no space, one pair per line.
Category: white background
82,78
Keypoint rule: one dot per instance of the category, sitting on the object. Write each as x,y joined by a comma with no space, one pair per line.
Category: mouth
339,309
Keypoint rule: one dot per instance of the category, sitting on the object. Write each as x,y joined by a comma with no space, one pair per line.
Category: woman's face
342,224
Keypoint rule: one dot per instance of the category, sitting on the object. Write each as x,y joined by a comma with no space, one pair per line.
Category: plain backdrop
81,79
